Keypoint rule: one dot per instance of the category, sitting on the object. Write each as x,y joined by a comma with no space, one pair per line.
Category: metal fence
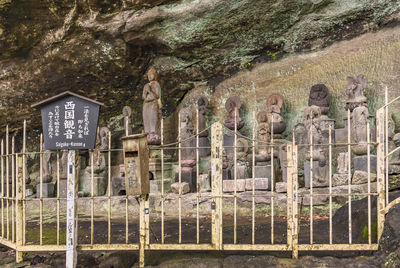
143,227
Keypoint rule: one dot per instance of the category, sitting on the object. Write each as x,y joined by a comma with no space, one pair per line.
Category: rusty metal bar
349,169
295,237
289,198
41,191
272,181
369,183
58,198
253,177
162,180
126,194
311,184
109,188
18,207
330,184
7,183
180,180
235,179
386,145
13,188
380,176
2,188
216,184
197,179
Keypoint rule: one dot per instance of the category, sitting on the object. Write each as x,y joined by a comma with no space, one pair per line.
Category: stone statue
204,143
355,92
101,144
359,122
226,166
152,108
232,106
274,106
47,167
241,158
319,96
127,112
187,136
263,137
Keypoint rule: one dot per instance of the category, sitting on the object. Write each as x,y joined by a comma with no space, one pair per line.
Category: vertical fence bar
72,219
2,189
235,179
197,179
162,180
311,183
289,196
349,169
58,197
380,136
330,184
272,181
126,194
179,179
386,145
369,182
109,187
24,172
13,188
18,207
253,177
216,184
7,183
41,191
295,251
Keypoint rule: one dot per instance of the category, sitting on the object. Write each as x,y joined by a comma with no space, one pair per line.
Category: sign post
69,122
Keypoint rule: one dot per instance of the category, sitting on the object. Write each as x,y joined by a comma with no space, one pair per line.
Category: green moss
374,230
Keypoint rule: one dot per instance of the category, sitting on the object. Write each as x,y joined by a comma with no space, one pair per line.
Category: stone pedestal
155,169
100,182
320,175
204,183
241,172
188,174
281,187
155,186
204,142
361,163
63,188
260,184
229,185
340,179
205,165
184,186
118,186
48,190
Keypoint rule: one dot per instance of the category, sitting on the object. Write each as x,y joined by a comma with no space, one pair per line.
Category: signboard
69,122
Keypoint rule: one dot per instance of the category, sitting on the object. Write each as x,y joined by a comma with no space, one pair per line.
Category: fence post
72,221
295,236
216,184
18,209
289,197
380,169
143,227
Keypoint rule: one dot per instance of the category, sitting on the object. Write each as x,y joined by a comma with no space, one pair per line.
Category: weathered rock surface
102,49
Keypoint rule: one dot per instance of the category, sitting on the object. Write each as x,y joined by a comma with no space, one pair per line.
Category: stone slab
361,177
320,175
188,175
228,186
260,184
184,185
339,179
361,163
48,190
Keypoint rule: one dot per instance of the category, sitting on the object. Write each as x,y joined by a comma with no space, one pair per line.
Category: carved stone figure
101,144
274,106
355,92
204,143
47,167
241,158
263,137
152,108
127,112
188,155
232,106
226,166
359,122
319,96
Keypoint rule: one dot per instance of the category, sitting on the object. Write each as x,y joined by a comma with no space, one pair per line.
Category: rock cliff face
102,48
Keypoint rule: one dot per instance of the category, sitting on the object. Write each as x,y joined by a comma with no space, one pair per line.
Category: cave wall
102,49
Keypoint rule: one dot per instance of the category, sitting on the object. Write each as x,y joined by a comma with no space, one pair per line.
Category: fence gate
235,215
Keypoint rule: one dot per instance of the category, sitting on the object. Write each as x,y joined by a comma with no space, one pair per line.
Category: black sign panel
69,123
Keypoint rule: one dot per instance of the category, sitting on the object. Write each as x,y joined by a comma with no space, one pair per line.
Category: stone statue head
232,103
127,111
262,117
356,86
312,112
152,74
274,103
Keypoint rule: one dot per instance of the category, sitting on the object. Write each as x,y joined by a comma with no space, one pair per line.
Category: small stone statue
101,144
319,96
46,167
187,136
232,106
359,122
204,143
127,112
355,92
152,108
274,106
226,166
263,137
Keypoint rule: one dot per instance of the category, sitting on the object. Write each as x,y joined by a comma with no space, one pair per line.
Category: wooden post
380,169
289,197
72,222
18,208
143,227
216,184
295,236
